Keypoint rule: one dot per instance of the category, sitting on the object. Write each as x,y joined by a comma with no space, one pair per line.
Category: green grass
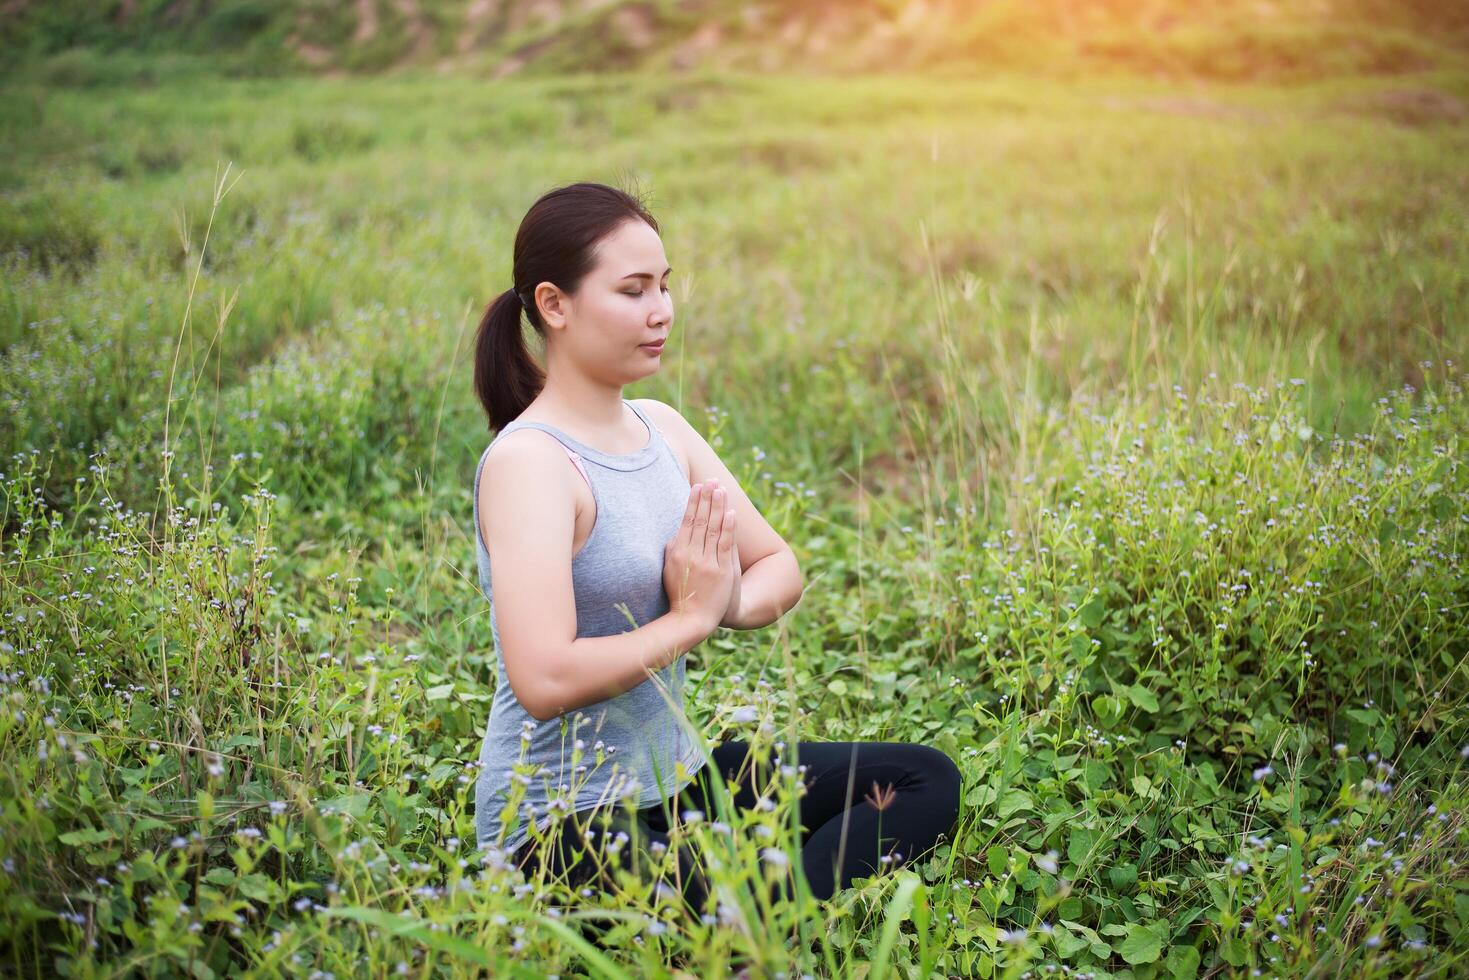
1119,434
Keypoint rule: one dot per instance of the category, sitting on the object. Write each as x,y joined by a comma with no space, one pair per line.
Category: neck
590,404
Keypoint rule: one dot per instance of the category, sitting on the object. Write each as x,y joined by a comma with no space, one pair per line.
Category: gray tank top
625,748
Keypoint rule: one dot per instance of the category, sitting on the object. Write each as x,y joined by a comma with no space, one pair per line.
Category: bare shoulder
523,447
523,484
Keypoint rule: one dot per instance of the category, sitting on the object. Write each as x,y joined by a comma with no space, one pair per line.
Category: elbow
800,588
541,696
542,709
548,702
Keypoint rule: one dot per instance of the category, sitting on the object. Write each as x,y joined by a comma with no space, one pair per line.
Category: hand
734,593
699,562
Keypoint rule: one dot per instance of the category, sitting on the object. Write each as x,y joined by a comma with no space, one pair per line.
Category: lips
654,347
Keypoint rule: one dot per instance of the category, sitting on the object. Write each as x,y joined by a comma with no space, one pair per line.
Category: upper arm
754,537
528,517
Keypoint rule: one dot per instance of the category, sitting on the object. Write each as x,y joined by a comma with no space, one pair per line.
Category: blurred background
1101,360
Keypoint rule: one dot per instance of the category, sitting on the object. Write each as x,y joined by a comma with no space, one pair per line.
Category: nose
663,313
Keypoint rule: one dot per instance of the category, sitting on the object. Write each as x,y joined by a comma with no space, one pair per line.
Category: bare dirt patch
366,21
1407,106
476,14
1193,106
694,49
636,25
419,29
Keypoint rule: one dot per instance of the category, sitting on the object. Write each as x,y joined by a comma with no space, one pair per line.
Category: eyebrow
645,275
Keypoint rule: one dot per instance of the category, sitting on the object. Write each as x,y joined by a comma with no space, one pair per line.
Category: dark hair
554,244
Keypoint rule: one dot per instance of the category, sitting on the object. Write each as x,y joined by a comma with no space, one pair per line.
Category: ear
552,303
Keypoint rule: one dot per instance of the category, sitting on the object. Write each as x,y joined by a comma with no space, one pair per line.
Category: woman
618,541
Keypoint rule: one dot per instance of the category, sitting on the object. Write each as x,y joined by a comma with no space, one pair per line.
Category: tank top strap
658,439
572,454
635,460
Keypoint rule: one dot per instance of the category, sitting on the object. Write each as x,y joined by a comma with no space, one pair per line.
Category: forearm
597,668
769,589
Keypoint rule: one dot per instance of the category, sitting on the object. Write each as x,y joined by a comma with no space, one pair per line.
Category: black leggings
917,787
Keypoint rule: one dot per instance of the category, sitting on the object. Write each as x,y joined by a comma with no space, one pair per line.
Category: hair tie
523,304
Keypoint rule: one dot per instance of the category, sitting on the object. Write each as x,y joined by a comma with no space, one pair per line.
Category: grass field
1119,429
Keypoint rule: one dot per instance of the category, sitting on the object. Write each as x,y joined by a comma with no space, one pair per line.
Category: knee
942,777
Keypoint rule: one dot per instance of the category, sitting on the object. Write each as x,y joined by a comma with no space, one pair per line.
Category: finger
727,538
716,519
686,529
701,519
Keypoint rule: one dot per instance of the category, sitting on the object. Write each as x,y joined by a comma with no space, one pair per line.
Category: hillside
1225,39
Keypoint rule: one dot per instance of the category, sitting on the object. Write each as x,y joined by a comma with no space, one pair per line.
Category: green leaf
1122,876
1014,801
898,909
1066,943
1079,847
1183,962
998,859
259,887
1386,531
1144,943
89,836
354,804
440,692
1099,947
416,929
980,796
1142,697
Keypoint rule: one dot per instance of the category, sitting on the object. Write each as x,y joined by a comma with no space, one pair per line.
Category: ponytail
506,377
556,243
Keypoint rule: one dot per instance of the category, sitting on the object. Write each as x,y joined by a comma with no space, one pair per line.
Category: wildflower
882,798
1262,772
744,714
1048,862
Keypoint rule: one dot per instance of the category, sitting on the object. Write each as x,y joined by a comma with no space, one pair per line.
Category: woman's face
622,304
